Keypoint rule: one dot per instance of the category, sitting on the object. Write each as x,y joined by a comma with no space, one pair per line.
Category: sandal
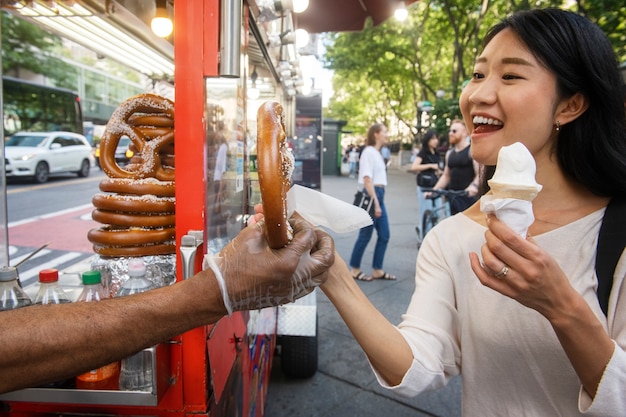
385,276
361,277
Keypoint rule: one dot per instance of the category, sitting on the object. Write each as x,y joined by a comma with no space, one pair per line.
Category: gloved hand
255,276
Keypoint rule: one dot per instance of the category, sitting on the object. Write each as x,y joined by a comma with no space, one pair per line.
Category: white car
36,155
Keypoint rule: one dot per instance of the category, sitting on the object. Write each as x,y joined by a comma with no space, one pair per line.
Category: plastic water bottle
106,377
136,370
11,293
50,292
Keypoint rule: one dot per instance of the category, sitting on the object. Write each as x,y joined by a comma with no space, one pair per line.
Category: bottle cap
8,273
49,275
136,267
91,277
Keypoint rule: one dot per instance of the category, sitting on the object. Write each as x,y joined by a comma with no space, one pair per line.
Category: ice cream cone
520,192
513,188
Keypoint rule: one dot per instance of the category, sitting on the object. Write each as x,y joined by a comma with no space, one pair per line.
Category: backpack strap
611,243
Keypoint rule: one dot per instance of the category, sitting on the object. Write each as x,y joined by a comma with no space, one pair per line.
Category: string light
161,23
401,12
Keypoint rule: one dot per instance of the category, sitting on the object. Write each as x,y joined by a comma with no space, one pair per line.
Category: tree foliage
384,73
26,46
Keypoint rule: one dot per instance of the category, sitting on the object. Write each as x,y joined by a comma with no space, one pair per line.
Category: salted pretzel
130,119
137,205
275,165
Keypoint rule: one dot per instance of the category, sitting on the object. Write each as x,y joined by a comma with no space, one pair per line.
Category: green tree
383,73
25,46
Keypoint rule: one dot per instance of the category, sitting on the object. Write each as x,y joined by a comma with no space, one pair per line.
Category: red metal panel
225,343
211,38
190,181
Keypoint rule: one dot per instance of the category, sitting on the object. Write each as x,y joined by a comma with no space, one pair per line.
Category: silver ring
503,272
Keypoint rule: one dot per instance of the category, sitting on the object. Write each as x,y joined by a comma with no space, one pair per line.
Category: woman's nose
485,91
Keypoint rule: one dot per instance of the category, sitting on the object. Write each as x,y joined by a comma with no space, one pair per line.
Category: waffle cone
519,192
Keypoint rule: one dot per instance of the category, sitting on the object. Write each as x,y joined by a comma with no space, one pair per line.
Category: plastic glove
254,276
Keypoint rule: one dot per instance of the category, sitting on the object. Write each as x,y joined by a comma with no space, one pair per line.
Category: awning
345,15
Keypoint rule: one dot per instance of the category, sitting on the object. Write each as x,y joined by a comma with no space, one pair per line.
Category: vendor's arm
383,344
52,342
46,343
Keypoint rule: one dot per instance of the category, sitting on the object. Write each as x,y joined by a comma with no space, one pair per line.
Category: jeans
381,224
352,169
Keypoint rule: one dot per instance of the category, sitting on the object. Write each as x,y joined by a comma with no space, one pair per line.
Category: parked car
36,155
122,152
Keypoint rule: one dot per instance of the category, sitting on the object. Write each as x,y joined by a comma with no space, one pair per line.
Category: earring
558,125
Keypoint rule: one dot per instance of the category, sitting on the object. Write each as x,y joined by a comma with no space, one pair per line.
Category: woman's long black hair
427,137
592,148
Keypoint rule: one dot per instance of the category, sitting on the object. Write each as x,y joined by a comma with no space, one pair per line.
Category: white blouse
372,164
508,355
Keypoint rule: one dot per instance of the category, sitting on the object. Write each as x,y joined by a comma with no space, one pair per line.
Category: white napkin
323,210
515,213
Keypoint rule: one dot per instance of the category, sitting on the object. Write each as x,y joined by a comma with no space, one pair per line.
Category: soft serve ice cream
515,174
513,188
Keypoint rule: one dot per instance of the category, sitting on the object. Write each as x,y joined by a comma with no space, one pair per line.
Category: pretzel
150,141
133,203
111,236
139,187
141,250
275,165
133,219
137,205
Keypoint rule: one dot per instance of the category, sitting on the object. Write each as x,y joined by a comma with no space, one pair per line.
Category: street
57,213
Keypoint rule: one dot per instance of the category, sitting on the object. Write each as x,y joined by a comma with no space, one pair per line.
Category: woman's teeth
479,120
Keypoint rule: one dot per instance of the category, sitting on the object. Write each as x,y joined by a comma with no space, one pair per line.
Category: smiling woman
519,319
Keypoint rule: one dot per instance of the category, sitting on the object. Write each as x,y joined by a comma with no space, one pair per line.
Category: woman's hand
520,269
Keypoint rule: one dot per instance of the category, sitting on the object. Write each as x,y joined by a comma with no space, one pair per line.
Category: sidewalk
344,384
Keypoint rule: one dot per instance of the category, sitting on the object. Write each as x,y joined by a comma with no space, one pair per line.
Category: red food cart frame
215,370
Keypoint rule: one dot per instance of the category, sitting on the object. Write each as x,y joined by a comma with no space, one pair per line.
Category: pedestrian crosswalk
70,265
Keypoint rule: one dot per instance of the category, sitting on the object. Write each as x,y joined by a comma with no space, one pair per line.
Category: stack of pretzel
137,203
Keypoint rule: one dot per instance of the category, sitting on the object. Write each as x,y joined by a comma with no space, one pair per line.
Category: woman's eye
477,75
510,77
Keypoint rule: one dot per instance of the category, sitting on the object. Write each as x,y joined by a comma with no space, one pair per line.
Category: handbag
427,179
611,244
364,201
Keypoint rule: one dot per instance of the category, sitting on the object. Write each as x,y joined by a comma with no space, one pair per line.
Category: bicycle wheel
419,236
429,220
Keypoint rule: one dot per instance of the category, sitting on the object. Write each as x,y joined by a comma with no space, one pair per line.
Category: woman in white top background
530,339
373,180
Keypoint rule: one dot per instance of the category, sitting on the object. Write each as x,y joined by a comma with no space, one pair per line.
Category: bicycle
440,211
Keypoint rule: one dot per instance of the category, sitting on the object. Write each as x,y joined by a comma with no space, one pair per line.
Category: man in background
460,171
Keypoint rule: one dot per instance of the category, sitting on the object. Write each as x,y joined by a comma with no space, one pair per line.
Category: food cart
223,51
221,369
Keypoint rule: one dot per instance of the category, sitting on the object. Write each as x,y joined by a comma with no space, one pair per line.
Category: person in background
353,159
45,343
426,165
218,217
373,180
460,172
518,317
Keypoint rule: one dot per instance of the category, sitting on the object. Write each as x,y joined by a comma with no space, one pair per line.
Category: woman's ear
571,108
